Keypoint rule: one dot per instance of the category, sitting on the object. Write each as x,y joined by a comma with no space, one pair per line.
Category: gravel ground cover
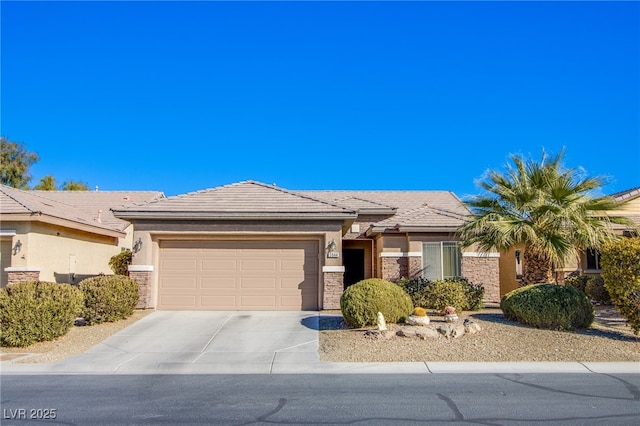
609,339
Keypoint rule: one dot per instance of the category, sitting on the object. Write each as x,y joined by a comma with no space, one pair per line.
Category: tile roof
80,207
626,195
92,202
417,209
248,199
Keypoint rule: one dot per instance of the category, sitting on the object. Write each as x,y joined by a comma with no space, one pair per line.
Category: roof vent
96,188
127,198
99,217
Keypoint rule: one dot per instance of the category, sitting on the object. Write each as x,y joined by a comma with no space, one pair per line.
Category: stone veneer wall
480,269
143,278
333,289
20,276
394,268
415,266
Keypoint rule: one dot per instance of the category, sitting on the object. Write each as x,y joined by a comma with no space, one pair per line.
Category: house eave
381,211
128,215
52,220
377,230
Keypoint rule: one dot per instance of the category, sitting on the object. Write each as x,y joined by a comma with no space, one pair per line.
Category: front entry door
353,266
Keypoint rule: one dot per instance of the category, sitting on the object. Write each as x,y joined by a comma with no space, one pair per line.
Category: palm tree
548,209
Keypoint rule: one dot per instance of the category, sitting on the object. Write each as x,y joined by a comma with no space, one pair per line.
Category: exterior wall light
17,247
137,246
332,249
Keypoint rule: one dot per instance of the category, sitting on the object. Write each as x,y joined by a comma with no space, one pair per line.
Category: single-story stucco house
62,236
254,246
589,261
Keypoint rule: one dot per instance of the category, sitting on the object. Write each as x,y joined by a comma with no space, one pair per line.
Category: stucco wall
53,248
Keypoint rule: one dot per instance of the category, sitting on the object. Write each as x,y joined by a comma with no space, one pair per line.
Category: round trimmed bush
108,298
361,302
596,291
37,311
578,281
550,306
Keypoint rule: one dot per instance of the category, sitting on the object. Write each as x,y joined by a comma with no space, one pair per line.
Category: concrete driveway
206,342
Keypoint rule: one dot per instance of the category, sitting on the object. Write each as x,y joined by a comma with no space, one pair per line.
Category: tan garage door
233,275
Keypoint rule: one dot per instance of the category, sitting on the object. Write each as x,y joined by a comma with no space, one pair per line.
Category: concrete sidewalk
198,342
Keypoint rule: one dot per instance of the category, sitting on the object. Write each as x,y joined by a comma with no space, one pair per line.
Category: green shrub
440,294
596,290
620,263
119,263
361,302
578,281
37,311
474,294
550,306
108,298
456,292
414,287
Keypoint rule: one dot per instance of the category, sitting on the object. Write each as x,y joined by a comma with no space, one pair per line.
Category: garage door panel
234,275
179,265
255,264
218,302
176,301
219,264
258,302
248,283
298,284
290,265
179,283
218,283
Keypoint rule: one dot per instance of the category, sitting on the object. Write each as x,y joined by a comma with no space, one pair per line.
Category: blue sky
183,96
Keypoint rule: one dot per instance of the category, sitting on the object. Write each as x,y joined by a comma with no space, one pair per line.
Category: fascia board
232,216
382,229
52,220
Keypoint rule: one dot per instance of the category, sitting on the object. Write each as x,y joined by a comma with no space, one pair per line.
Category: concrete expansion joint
216,333
115,370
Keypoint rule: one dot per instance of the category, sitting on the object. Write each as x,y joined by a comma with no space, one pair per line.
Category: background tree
15,161
74,186
47,183
548,209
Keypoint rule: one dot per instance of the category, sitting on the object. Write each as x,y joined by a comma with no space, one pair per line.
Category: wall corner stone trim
142,275
483,270
333,287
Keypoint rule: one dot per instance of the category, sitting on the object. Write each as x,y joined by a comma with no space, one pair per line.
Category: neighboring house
252,246
589,261
62,236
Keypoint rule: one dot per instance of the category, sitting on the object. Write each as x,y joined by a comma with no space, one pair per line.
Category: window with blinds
441,260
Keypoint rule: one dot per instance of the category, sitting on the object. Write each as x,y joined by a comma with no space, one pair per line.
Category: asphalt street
372,399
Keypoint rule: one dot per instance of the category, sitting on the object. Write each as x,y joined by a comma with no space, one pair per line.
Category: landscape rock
423,333
379,334
472,328
452,330
419,321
